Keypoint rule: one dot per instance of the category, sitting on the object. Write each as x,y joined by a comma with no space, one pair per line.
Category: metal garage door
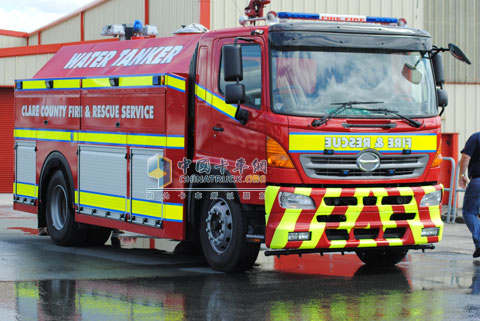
6,139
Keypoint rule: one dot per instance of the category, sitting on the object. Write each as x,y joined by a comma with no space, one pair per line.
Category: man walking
471,202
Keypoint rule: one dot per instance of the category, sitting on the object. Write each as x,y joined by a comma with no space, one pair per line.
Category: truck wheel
97,237
381,257
223,231
59,213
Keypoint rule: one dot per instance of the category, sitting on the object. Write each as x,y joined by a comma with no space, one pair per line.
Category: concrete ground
41,281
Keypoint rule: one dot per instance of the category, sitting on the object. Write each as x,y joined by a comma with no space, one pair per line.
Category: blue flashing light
345,172
137,26
19,84
295,15
381,19
391,172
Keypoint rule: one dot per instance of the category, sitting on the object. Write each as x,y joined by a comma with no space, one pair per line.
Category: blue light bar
297,15
381,19
336,17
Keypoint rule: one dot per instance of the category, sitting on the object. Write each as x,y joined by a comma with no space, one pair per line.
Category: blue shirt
472,149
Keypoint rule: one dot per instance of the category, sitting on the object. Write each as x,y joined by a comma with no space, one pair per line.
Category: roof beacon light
272,17
337,17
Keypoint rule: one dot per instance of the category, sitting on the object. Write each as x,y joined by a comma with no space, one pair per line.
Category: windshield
307,83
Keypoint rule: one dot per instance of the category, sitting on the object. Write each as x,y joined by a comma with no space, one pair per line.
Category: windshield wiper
408,120
343,106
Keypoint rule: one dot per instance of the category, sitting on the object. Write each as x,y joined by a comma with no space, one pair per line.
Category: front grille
345,167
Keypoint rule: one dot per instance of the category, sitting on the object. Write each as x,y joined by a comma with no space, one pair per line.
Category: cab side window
252,75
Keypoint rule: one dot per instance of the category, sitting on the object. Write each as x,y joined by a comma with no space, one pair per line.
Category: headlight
296,201
432,199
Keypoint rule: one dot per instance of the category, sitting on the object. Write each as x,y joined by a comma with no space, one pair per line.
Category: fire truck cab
307,136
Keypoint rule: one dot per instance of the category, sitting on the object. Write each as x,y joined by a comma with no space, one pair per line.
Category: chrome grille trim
319,166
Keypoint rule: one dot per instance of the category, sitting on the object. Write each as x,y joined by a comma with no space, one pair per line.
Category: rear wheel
381,257
223,231
97,236
59,213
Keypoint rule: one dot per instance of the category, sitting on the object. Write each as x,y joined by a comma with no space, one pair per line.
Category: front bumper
373,218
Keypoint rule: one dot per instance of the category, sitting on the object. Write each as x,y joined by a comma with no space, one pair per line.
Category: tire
381,257
59,213
222,232
97,236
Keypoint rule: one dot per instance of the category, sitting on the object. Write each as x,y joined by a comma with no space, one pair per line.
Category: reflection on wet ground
137,281
286,293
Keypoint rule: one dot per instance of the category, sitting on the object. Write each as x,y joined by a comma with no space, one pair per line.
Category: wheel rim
58,207
219,225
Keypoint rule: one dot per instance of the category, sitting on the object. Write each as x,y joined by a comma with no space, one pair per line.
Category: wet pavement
144,280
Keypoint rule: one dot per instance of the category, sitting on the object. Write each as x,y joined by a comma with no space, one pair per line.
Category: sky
29,15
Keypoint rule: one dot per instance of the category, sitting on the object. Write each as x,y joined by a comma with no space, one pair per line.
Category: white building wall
33,40
20,67
67,31
462,115
8,41
113,12
169,16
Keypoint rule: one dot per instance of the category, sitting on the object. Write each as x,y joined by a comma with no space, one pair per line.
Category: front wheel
59,213
223,231
381,257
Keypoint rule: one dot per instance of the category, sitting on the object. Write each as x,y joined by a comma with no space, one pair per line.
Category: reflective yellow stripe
27,190
270,196
200,92
315,142
14,188
105,138
220,104
54,135
174,82
170,212
287,223
66,83
135,81
208,97
145,140
103,201
24,133
96,82
178,142
34,84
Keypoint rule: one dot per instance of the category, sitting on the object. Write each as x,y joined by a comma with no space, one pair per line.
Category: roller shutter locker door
6,139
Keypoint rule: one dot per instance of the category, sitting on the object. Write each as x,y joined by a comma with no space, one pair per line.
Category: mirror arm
441,111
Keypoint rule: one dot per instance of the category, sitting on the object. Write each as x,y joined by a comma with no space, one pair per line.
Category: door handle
218,128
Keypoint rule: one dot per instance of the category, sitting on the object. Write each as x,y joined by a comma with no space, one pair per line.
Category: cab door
241,146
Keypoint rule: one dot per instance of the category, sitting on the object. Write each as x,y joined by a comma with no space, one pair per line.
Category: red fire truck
309,136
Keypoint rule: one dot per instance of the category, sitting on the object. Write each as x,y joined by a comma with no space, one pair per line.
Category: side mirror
234,94
438,69
442,97
232,63
458,53
242,115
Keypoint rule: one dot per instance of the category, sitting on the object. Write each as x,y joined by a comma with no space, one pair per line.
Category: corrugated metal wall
225,13
185,12
7,41
456,21
33,40
114,11
21,67
67,31
6,139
